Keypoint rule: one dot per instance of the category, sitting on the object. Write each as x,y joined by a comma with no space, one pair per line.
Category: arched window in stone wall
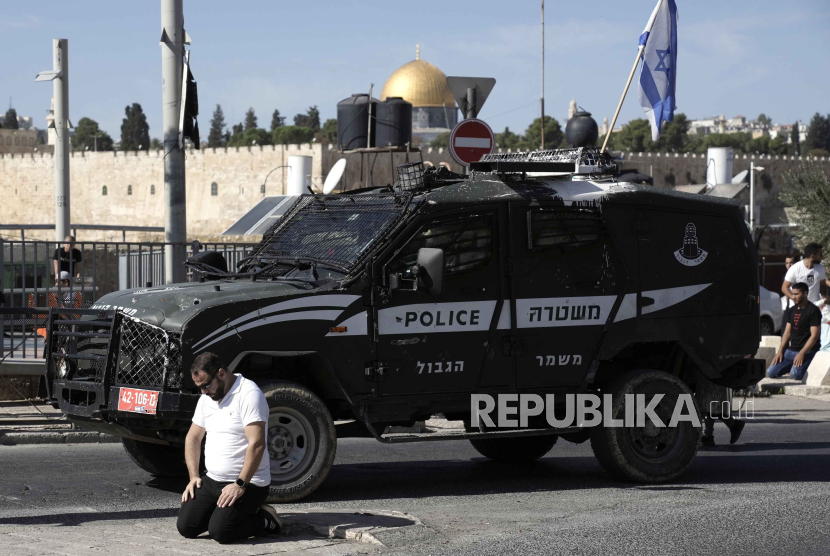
104,191
262,189
129,190
152,190
214,189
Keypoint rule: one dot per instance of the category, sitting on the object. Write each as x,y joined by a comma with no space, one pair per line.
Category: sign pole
175,209
543,74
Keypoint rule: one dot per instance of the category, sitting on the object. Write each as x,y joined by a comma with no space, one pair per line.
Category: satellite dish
334,176
740,177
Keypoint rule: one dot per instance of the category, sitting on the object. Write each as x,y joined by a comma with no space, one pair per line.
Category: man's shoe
707,440
274,525
735,431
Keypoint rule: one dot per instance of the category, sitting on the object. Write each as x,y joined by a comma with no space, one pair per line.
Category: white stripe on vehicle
670,296
356,325
628,308
504,316
337,300
300,315
429,318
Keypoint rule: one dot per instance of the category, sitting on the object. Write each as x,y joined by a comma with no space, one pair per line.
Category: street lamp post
752,170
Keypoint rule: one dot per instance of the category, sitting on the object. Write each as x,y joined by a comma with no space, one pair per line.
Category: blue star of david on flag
661,64
659,70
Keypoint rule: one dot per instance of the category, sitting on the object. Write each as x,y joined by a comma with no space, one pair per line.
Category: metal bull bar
93,356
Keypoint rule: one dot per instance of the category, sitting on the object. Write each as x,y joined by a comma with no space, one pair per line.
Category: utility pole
60,83
543,74
175,214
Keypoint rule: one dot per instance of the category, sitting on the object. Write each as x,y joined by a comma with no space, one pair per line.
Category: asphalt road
769,494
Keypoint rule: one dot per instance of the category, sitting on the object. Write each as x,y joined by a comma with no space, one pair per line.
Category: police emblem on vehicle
690,254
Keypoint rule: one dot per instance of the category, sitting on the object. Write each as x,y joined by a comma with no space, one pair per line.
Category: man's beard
220,392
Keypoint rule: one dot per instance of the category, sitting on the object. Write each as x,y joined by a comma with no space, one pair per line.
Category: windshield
332,230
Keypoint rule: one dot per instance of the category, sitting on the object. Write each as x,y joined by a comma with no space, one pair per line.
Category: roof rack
582,160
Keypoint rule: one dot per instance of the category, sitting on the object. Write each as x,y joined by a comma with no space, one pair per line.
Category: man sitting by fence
799,344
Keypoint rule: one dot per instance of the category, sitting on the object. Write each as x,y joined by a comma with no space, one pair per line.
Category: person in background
799,343
786,302
824,306
67,258
808,271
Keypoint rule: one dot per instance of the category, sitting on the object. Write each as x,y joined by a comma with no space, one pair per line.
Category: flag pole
640,51
622,98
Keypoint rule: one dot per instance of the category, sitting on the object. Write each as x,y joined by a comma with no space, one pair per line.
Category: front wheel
648,454
517,449
156,459
301,441
767,326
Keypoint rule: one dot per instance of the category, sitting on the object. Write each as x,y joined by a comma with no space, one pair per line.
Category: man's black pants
228,524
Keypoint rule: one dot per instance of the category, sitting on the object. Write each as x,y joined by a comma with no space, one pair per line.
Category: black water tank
353,121
393,123
582,130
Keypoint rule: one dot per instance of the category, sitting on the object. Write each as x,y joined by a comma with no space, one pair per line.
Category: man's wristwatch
240,483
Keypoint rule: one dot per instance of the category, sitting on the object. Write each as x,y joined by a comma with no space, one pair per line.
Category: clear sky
735,56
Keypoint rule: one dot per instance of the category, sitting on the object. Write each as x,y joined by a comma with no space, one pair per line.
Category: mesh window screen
332,229
563,227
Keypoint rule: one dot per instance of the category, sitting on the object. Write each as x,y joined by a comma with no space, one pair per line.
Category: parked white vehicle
771,312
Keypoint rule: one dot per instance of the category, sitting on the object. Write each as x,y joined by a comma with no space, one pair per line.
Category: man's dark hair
790,256
811,249
800,286
211,363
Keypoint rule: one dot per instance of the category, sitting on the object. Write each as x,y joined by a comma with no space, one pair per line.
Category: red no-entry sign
470,140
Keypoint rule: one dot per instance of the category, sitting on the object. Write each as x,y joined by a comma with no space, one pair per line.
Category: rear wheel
647,454
156,459
767,326
523,448
301,441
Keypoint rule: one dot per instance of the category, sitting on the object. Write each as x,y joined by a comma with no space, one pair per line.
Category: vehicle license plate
138,401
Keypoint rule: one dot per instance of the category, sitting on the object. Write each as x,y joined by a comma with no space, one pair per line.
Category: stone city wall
27,183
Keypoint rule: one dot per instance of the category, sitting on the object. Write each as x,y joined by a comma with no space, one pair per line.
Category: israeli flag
659,73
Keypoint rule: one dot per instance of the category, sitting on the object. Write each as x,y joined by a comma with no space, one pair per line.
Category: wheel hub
291,442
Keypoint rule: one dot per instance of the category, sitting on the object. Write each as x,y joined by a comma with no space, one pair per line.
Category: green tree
508,140
818,133
533,135
85,137
156,144
250,119
311,119
795,139
441,141
634,137
764,120
216,137
292,135
135,133
10,121
329,130
277,120
807,190
674,135
250,137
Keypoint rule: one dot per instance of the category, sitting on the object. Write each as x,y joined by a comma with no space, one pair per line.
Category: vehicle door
563,279
437,342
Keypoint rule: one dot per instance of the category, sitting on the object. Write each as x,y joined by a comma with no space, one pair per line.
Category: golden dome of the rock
419,83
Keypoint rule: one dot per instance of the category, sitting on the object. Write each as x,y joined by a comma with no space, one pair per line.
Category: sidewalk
20,423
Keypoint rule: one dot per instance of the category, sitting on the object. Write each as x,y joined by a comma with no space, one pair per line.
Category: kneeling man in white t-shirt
229,501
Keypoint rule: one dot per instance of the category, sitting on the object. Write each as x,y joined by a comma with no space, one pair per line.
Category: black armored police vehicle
539,273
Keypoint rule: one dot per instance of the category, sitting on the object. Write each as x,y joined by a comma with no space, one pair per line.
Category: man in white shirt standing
229,501
808,271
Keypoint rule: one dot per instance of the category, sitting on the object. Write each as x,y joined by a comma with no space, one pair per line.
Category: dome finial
417,51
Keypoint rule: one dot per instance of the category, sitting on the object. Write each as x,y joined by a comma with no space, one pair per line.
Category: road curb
50,437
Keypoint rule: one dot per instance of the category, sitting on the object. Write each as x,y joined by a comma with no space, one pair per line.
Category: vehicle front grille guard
110,349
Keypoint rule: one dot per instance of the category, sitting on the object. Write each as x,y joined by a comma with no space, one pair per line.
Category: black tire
301,441
646,454
512,450
767,326
156,459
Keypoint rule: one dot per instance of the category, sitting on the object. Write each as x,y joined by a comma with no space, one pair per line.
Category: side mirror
430,269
